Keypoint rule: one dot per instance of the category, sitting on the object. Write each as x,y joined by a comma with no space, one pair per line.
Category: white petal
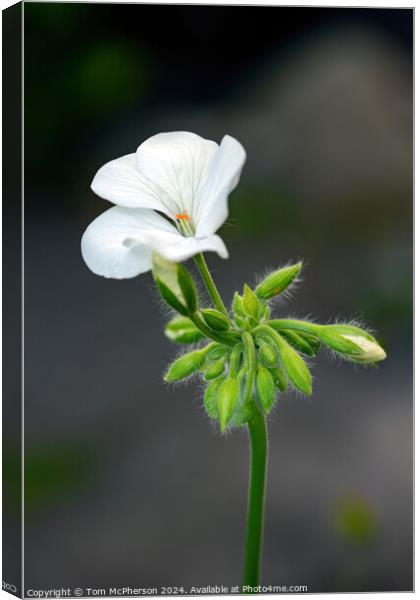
224,174
177,162
177,248
120,182
111,245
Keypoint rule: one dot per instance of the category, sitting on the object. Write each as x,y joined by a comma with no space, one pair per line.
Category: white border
291,3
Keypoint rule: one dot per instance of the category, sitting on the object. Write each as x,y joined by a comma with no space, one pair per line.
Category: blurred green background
126,482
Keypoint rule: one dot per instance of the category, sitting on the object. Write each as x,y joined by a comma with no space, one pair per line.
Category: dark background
126,482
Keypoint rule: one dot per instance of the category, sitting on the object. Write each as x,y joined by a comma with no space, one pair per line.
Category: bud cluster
250,358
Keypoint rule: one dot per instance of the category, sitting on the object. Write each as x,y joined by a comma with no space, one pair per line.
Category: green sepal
228,396
187,364
187,287
214,370
295,325
170,298
348,330
250,302
337,342
278,281
215,319
266,388
312,340
298,342
182,331
165,274
210,397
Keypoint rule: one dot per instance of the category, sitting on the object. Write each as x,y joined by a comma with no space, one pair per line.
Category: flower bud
339,342
214,370
218,351
268,356
278,281
228,396
264,311
186,365
182,331
210,397
215,319
294,365
352,342
246,409
370,351
237,305
250,302
280,378
265,388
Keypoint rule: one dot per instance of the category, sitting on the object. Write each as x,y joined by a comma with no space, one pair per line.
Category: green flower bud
187,364
210,397
227,398
280,378
298,342
371,351
352,342
265,388
218,351
278,281
215,319
182,331
187,287
294,365
241,322
264,311
246,408
214,370
268,355
235,360
250,302
237,305
339,342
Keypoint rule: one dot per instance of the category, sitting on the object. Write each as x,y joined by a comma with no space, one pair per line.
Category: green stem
256,499
210,285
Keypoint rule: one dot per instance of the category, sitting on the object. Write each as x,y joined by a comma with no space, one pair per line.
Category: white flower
371,351
179,174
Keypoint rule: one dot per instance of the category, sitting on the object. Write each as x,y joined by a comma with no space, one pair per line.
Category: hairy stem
256,499
210,285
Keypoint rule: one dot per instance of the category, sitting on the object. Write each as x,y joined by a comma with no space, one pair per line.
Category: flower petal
177,248
224,174
177,162
120,182
111,245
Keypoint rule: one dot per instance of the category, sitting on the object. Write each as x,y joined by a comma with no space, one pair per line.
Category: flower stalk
210,285
258,440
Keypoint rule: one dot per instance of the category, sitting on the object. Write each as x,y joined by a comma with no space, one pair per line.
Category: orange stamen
182,215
